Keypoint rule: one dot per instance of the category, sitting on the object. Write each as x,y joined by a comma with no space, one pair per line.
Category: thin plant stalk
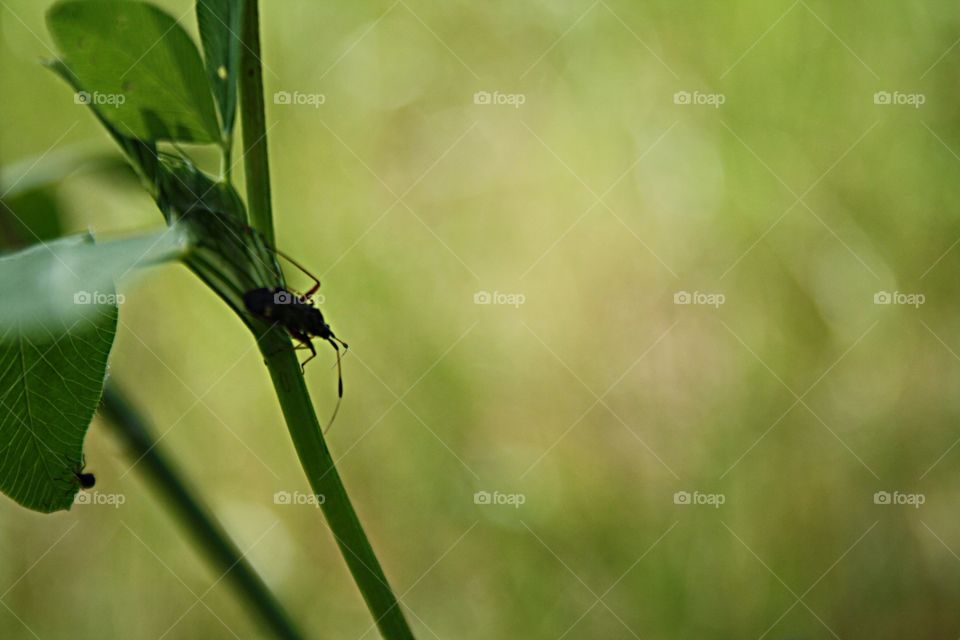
256,161
302,423
206,532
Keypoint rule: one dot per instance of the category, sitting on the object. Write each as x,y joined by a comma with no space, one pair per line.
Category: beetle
297,315
86,479
300,318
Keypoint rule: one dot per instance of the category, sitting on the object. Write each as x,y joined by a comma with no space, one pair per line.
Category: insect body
86,480
297,315
301,319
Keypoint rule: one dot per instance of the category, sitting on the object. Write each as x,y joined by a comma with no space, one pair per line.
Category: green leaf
183,188
141,155
53,166
43,445
138,66
56,329
176,184
220,25
51,387
57,283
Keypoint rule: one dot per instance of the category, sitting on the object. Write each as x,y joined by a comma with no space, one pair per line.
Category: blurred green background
597,399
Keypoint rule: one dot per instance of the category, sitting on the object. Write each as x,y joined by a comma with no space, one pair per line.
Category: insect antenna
333,416
339,383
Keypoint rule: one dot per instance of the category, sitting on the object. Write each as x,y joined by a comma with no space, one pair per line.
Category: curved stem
274,343
207,533
318,464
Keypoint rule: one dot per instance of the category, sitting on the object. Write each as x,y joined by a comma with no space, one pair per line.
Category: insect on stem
301,319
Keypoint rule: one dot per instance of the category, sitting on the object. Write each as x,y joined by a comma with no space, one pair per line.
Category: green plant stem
285,372
318,464
206,532
255,158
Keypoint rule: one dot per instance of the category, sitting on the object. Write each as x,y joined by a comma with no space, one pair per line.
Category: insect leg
305,343
302,344
312,290
316,281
